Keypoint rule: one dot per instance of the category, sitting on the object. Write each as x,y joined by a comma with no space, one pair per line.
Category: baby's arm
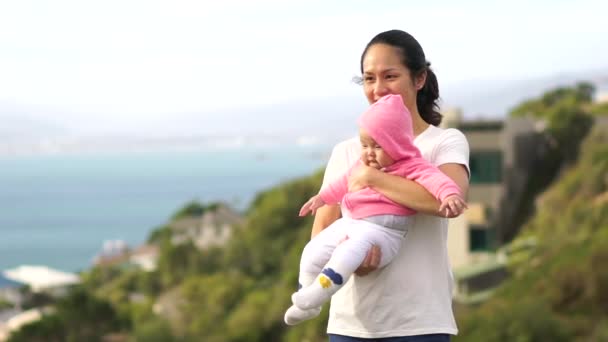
437,183
331,194
314,203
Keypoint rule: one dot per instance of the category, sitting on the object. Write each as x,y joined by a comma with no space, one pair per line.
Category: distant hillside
558,290
321,120
486,98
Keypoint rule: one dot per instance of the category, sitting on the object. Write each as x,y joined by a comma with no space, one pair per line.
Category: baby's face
373,154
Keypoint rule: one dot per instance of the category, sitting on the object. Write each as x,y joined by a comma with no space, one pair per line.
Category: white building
42,278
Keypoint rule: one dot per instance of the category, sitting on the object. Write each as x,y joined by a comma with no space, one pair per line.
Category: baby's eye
378,147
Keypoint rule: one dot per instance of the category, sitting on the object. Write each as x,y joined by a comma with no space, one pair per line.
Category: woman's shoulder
444,133
437,136
441,146
347,146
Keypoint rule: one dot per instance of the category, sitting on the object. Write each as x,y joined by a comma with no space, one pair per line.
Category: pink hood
389,123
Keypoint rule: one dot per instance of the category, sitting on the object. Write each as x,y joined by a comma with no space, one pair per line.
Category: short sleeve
453,148
336,166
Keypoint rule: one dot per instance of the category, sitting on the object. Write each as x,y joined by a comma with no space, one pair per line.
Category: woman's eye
368,79
390,76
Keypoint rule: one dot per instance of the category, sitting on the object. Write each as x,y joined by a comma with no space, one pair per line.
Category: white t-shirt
413,294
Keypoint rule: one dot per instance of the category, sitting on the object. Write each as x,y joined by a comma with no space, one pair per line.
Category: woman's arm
406,192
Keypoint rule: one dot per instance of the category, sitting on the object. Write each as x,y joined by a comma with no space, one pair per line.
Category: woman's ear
420,80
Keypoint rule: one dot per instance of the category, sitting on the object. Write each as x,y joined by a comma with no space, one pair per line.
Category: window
480,238
486,167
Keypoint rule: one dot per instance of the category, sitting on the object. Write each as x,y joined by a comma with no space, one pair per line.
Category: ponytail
426,99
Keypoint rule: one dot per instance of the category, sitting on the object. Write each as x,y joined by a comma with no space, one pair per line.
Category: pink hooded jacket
389,123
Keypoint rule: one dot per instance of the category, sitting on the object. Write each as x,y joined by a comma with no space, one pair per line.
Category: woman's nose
380,89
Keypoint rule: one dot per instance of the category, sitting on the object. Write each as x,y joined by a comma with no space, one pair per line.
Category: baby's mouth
373,164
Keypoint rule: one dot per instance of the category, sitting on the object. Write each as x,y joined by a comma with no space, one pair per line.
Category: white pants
332,248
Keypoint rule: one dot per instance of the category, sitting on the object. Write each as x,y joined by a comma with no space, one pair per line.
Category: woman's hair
412,57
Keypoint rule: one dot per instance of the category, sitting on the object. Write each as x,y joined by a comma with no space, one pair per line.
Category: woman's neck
419,125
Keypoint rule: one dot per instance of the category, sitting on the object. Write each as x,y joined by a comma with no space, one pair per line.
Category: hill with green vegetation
239,291
557,290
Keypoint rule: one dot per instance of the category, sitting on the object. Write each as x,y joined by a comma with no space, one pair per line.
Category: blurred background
154,155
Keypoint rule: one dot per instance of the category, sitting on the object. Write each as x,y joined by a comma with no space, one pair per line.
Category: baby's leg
346,259
315,255
318,251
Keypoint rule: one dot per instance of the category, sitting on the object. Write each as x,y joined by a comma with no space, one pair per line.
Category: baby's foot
319,292
295,315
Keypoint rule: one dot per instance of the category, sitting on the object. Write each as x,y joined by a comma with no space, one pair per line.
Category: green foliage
177,261
563,113
582,93
526,320
558,292
159,234
153,330
80,316
600,109
50,328
149,327
5,305
194,208
273,227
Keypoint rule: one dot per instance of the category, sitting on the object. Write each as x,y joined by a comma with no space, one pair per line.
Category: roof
217,217
40,277
481,125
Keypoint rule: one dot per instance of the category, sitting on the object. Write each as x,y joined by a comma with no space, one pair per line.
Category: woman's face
383,74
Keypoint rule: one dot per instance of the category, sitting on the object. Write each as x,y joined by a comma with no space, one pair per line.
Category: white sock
306,279
295,315
320,291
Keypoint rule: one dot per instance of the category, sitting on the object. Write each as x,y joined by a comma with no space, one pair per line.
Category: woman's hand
371,261
361,178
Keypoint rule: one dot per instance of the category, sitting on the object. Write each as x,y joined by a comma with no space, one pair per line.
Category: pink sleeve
334,191
431,178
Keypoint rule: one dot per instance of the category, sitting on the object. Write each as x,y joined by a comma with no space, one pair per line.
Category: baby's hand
313,204
453,206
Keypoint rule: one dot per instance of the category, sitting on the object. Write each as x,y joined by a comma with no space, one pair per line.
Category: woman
410,299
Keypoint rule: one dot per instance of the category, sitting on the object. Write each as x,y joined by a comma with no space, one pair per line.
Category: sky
110,64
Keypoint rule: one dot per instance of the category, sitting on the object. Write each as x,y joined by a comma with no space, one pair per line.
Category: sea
58,210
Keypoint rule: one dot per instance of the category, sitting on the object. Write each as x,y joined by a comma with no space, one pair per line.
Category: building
501,155
42,279
145,257
213,228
